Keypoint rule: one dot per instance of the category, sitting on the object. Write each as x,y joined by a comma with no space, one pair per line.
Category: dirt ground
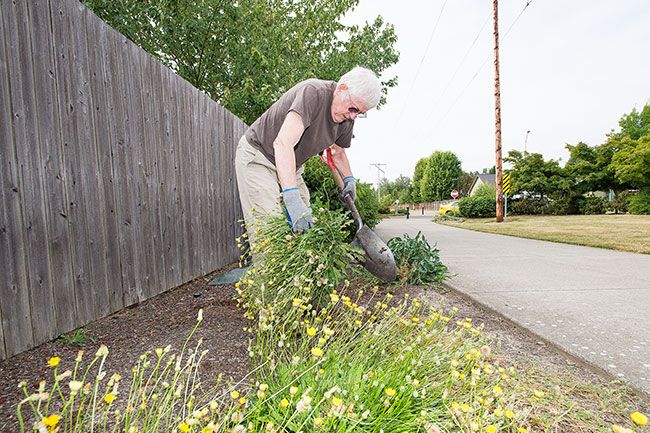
168,318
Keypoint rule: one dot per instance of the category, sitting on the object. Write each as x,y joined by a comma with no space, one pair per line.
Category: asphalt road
593,303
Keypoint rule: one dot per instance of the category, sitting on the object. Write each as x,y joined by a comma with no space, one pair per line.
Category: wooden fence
116,175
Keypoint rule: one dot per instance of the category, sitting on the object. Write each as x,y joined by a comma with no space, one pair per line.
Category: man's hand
349,188
298,214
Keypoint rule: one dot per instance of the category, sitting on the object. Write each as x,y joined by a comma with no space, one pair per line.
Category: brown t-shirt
312,100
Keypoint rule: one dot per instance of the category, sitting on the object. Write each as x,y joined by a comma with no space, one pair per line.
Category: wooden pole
497,113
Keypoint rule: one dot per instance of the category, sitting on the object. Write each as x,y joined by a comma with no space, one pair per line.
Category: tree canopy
246,54
441,175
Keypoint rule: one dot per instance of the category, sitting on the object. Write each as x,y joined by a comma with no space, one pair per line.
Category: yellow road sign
505,183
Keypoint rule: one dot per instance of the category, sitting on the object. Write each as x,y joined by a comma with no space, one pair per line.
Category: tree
634,125
399,189
442,174
632,163
531,175
589,169
246,54
418,173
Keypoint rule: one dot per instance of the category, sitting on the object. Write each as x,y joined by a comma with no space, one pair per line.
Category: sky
568,69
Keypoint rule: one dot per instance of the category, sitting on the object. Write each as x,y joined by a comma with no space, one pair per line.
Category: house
483,179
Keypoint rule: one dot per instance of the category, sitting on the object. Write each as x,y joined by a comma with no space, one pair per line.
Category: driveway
593,303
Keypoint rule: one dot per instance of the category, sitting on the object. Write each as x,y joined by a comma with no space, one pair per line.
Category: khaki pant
259,189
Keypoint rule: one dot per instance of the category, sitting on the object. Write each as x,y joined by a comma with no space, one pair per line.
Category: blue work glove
349,188
298,214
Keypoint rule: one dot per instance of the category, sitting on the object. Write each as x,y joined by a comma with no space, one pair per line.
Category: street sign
505,185
454,194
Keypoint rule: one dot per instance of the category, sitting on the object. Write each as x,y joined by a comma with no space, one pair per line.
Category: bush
528,206
384,204
323,190
485,190
593,206
620,202
639,204
416,260
477,206
567,205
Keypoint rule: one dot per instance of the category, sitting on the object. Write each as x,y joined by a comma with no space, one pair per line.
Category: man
310,117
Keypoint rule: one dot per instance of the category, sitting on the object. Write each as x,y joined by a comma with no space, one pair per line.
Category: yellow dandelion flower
54,361
284,403
109,398
390,392
538,394
498,412
184,427
497,391
321,372
619,429
318,422
234,394
491,429
51,421
311,331
317,352
510,414
522,429
639,419
337,401
242,400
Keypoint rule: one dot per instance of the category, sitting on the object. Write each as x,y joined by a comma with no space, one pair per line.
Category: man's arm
341,161
283,146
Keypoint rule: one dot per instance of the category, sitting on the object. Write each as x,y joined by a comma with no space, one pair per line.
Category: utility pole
379,172
497,114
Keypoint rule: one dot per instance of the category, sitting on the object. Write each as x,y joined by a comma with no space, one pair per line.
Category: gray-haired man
310,117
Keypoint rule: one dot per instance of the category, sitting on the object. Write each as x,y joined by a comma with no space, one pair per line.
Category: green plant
640,203
593,205
77,338
528,206
418,262
477,206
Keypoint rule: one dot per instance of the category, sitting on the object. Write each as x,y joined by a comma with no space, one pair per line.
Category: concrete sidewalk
593,303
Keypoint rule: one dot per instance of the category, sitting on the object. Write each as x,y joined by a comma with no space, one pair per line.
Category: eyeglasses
354,110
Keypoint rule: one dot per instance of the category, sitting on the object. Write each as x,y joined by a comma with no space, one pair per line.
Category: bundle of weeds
292,276
418,262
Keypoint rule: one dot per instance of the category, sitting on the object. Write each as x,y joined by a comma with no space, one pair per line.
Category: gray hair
363,84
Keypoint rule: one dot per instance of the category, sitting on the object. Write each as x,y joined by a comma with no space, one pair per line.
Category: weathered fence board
116,175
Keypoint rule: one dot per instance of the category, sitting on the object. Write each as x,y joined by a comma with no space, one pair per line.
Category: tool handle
349,203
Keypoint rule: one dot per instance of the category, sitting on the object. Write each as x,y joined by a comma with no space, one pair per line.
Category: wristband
348,178
289,189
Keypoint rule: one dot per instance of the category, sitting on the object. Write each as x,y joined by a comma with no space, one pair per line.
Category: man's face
344,106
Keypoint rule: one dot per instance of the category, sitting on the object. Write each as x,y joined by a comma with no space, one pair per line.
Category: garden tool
378,258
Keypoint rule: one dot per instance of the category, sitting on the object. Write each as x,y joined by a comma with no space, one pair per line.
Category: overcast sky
569,70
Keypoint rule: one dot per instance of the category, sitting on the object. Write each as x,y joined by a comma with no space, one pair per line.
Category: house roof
489,179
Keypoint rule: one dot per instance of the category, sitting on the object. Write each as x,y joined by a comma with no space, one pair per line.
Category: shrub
485,190
640,203
416,260
593,205
620,202
384,204
477,206
566,205
528,206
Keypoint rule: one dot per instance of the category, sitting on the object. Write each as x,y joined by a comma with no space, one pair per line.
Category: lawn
618,232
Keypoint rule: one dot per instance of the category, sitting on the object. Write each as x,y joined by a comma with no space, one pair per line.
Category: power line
417,73
447,86
476,73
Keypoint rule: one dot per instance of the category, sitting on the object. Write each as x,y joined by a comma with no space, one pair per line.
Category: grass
617,232
78,338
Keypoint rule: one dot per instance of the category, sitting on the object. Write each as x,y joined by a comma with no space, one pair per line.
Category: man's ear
342,87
